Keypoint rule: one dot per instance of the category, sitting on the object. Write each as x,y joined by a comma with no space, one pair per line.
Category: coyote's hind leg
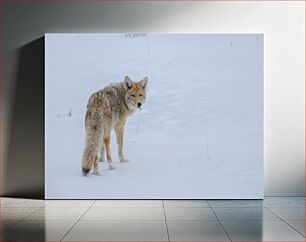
108,154
102,153
96,167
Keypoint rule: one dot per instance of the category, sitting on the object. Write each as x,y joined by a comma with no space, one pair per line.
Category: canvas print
154,116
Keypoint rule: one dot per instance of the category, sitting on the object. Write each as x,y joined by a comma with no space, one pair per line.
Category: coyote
108,109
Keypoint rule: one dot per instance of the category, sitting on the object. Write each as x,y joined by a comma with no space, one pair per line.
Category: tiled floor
274,219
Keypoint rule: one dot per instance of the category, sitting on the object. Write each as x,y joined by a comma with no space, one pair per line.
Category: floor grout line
77,221
24,218
166,221
299,201
210,206
284,221
219,221
19,221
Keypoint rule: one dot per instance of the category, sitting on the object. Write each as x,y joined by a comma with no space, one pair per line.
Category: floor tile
140,220
57,213
39,230
8,223
16,213
298,225
70,203
189,214
118,231
196,231
244,214
124,214
185,203
235,203
22,203
281,202
300,200
261,230
128,203
5,225
290,213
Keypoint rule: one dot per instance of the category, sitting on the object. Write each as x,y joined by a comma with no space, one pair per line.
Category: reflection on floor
274,219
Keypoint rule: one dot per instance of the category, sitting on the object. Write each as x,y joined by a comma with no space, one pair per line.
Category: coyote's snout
108,109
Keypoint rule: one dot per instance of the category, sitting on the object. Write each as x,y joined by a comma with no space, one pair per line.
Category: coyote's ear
143,82
128,82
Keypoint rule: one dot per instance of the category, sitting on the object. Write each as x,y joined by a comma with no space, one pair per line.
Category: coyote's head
135,95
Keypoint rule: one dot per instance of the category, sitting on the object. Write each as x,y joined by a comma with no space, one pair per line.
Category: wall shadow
25,159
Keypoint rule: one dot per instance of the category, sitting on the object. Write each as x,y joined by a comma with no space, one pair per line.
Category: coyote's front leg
119,133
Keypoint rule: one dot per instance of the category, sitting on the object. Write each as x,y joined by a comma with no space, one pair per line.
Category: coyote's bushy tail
94,139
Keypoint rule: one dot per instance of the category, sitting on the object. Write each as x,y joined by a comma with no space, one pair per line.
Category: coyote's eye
140,95
133,95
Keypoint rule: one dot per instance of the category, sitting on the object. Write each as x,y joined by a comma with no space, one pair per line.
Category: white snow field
200,133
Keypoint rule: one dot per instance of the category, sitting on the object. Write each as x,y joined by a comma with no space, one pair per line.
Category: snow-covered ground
199,135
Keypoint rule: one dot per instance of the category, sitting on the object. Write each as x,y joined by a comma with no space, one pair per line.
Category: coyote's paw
97,173
101,160
124,160
111,167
